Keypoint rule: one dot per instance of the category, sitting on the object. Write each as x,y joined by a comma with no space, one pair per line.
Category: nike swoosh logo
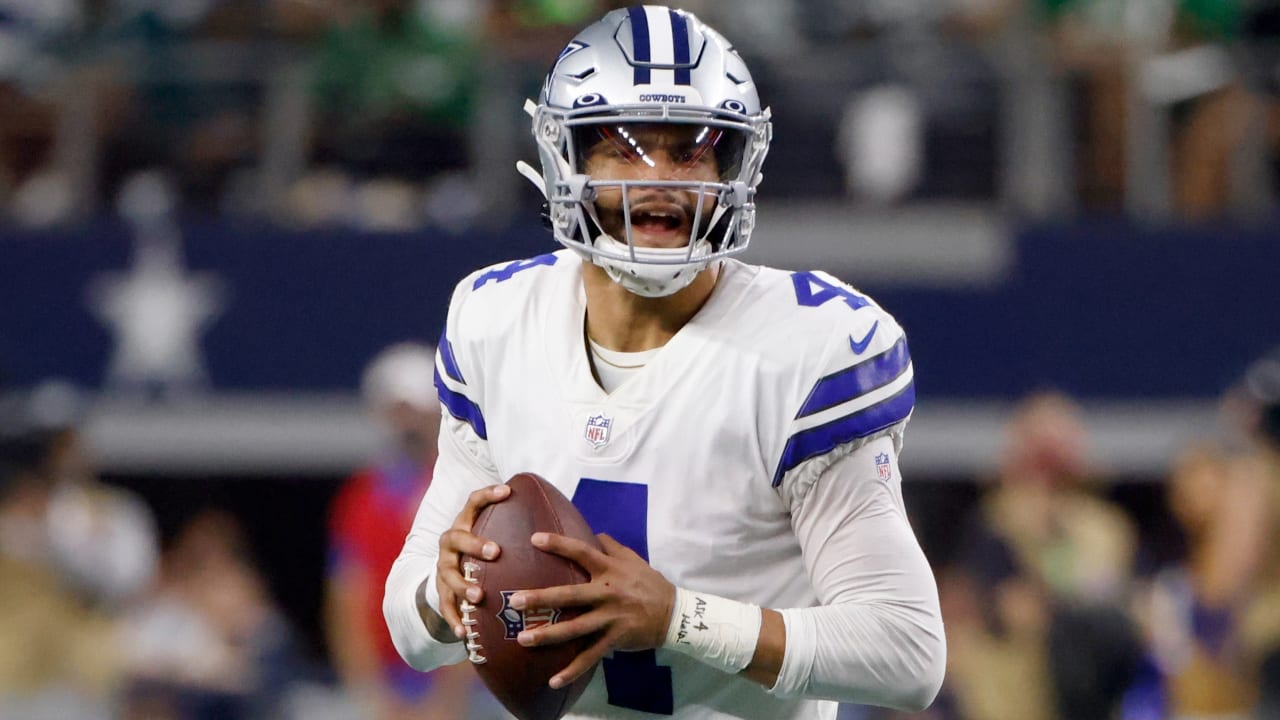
860,346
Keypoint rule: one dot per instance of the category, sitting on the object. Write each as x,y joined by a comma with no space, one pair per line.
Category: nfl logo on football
597,432
517,621
883,470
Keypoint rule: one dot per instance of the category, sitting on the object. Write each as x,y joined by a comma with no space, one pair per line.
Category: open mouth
658,220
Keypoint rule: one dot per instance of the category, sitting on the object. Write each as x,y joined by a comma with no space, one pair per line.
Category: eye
611,148
694,154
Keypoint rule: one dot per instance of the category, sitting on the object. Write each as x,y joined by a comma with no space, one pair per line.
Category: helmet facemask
607,191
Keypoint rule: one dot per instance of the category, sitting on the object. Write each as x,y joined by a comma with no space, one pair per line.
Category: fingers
582,663
462,542
449,609
591,559
564,630
457,541
449,567
476,502
560,596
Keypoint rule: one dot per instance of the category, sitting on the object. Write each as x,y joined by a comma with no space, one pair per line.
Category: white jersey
693,462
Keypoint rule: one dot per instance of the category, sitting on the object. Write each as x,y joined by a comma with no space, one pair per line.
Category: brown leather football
515,674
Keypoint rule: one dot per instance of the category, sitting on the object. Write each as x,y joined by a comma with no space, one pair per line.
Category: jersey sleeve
462,466
458,380
877,637
856,384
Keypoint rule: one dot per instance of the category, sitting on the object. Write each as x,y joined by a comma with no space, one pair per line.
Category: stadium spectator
393,92
1048,565
1210,127
1167,60
103,538
368,521
1191,609
57,657
188,85
393,86
30,104
210,642
1092,47
1259,398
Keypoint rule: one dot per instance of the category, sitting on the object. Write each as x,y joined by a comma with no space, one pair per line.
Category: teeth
659,214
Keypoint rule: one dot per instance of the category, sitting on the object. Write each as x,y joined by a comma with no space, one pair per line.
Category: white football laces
469,570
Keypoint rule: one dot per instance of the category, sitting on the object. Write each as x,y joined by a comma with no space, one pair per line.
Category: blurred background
229,230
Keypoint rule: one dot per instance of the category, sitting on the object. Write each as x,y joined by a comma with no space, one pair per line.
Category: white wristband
718,631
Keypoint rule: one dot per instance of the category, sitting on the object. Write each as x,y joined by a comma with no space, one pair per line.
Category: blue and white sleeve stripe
849,404
447,360
856,380
453,390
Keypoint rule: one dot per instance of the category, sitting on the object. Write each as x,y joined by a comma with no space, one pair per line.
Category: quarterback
732,431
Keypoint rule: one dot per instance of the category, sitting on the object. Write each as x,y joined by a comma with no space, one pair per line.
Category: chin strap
525,168
651,279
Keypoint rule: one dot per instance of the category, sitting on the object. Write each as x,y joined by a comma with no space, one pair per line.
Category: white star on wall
157,312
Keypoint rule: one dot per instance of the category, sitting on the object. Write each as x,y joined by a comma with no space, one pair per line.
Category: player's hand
457,541
630,602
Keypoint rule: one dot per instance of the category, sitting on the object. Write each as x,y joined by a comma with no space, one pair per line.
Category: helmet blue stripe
640,40
680,29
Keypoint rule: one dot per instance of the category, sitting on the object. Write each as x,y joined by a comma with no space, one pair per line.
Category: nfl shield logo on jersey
883,470
597,432
517,621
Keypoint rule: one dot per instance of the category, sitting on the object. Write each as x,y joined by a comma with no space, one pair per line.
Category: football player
732,431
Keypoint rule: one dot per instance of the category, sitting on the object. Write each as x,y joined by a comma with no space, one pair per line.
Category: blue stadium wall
1100,309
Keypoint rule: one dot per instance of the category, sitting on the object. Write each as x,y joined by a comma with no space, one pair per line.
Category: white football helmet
637,67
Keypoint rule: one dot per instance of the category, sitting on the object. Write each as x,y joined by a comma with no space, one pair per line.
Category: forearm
416,629
867,654
431,617
877,636
874,653
771,648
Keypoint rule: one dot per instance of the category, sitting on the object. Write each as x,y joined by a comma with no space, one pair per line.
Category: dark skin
630,602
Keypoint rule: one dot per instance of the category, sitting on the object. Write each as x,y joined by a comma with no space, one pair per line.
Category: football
515,674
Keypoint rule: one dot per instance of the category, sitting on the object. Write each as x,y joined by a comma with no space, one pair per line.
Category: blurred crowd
97,619
391,114
108,611
1061,601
